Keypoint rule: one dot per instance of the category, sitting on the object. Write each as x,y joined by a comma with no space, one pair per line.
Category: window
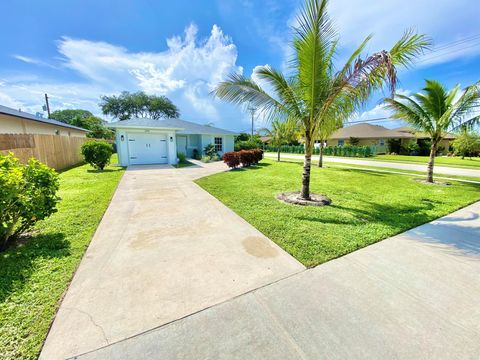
218,144
381,142
341,142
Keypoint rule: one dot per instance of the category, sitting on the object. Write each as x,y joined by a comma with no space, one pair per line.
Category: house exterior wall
122,144
15,125
227,142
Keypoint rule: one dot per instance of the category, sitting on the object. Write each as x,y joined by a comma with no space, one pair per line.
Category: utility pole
252,111
48,105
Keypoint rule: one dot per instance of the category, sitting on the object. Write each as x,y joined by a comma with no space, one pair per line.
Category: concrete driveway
444,170
413,296
164,249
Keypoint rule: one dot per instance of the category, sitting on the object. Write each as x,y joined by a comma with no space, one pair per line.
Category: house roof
182,126
369,131
421,135
24,115
265,139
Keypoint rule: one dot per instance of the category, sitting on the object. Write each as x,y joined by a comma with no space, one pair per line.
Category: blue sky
77,51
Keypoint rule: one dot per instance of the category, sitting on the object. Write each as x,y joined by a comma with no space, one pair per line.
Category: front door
147,149
182,144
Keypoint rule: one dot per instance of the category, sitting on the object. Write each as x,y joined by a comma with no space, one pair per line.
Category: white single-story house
148,141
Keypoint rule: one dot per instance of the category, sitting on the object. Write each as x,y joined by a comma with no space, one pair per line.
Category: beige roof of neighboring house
265,139
369,131
422,135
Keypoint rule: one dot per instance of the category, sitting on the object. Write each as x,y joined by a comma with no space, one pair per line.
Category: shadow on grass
98,171
17,263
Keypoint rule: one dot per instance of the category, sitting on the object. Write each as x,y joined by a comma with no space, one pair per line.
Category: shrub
195,154
206,158
182,158
257,155
247,157
209,150
232,159
27,194
253,142
97,153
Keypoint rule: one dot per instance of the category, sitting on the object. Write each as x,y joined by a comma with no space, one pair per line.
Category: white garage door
147,148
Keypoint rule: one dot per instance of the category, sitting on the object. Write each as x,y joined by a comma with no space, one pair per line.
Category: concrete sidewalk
164,249
444,170
413,296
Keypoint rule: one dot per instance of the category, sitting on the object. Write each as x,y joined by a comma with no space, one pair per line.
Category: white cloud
444,20
187,71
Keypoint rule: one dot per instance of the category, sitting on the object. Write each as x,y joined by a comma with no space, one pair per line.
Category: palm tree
324,132
281,133
315,91
435,111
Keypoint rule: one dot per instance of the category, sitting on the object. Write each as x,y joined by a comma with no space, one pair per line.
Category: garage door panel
147,149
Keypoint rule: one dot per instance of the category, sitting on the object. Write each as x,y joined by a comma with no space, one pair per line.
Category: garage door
147,148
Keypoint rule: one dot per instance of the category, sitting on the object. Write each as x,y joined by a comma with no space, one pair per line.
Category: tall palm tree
281,133
316,91
436,111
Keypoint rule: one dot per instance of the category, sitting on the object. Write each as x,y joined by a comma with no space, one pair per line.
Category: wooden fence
56,151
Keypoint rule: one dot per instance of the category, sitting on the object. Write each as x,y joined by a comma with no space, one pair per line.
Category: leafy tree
242,137
67,116
96,125
138,105
435,111
466,144
316,91
282,133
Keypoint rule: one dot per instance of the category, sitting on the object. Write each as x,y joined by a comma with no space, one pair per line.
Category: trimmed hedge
346,150
245,157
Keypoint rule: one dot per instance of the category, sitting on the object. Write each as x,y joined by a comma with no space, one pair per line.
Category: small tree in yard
27,194
281,133
97,153
435,111
466,144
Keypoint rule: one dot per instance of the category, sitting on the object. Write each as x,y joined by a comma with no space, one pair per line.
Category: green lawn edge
35,275
367,206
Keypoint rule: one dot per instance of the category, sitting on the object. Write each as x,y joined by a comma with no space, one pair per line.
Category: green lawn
183,164
34,275
473,163
367,206
386,169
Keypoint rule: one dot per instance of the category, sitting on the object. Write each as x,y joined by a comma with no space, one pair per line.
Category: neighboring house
148,141
18,122
445,142
265,139
378,136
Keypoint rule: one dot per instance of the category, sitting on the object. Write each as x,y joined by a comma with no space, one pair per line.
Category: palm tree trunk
307,164
431,161
320,158
278,153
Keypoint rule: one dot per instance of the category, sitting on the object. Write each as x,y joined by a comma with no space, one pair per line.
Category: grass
473,163
183,164
367,206
386,169
467,163
35,273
